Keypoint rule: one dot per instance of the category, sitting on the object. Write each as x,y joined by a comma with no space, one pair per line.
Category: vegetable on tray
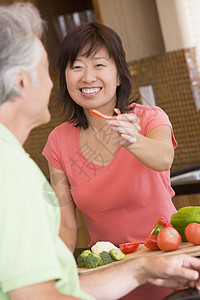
168,239
117,254
87,259
103,116
92,260
102,246
151,241
81,258
185,216
157,229
105,258
101,253
129,247
192,233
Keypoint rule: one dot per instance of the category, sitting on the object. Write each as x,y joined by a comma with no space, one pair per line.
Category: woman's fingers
129,126
128,118
125,120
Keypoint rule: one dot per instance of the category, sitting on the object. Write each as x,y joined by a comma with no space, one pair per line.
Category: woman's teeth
90,91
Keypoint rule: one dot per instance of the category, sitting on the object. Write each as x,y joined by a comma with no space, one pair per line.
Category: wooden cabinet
137,23
60,17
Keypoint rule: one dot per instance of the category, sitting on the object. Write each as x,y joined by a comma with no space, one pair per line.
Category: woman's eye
76,67
100,65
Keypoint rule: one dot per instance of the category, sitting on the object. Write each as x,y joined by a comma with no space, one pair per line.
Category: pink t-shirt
122,200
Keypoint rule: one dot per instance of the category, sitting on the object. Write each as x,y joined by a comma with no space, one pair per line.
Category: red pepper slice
129,247
151,241
103,116
163,222
117,111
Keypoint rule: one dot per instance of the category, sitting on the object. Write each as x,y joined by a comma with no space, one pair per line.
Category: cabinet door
60,18
136,22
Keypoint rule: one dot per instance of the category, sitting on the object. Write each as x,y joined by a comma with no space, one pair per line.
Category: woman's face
92,81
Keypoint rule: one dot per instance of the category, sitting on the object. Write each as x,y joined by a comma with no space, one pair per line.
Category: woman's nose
89,75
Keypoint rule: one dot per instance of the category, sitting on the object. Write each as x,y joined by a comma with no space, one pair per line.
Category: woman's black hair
91,36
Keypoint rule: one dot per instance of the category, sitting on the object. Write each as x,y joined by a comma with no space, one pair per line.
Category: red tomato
129,247
168,239
192,233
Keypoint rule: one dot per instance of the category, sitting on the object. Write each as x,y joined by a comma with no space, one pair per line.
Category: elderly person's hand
173,271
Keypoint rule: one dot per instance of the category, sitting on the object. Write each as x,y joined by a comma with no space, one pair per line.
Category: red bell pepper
103,116
151,241
129,247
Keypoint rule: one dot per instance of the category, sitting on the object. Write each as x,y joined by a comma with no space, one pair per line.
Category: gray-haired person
34,262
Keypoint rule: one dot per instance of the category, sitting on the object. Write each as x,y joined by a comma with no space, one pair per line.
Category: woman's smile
90,91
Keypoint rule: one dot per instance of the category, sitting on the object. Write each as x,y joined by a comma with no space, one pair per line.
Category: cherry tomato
192,233
168,239
129,247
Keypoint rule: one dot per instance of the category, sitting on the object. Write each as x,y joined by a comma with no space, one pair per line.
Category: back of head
20,29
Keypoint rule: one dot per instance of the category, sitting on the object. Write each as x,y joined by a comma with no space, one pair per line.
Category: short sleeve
28,252
51,150
153,116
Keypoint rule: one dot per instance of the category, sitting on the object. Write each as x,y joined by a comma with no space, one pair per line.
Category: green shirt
30,248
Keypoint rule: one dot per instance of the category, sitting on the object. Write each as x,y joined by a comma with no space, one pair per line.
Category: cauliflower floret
102,246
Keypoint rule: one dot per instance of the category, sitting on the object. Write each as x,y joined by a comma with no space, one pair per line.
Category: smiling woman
75,50
115,170
92,80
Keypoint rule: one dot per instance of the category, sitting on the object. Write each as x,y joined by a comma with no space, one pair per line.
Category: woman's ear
118,81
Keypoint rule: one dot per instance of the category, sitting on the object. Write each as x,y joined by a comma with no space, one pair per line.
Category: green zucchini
185,216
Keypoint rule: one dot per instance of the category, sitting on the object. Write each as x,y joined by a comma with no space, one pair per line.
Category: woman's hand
155,150
127,126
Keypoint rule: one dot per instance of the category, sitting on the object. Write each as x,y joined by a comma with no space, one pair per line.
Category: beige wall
137,23
175,24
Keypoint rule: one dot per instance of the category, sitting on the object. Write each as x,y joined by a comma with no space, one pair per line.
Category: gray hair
21,28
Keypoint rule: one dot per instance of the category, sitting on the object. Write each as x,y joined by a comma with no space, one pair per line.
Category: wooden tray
142,251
